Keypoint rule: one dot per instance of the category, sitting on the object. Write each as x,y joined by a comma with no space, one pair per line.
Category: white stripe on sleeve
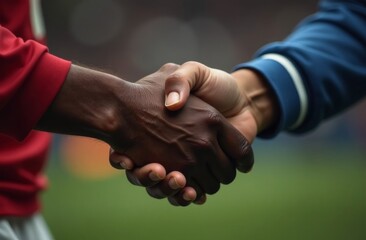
299,85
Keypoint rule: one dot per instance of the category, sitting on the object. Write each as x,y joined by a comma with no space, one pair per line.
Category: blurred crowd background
134,38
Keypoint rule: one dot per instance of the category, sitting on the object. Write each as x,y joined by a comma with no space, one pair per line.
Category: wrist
262,102
86,105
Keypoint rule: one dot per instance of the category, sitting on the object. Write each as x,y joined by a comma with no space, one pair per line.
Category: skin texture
243,97
131,117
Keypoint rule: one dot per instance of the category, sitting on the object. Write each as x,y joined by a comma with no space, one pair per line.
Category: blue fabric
329,51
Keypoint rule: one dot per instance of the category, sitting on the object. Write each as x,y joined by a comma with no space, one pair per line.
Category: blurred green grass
309,196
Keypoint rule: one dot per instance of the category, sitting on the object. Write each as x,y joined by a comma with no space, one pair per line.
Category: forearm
86,105
262,101
319,70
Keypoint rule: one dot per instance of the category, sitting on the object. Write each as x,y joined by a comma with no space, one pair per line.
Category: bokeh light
95,22
161,40
216,46
86,157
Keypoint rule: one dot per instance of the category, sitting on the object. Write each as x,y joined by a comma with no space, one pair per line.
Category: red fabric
21,178
15,16
30,78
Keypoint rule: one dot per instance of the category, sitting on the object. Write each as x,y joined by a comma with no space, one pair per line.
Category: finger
224,169
196,187
218,165
202,200
184,197
172,184
236,146
147,175
179,84
162,72
206,181
120,161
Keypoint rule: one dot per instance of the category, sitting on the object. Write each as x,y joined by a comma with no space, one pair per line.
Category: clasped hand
185,149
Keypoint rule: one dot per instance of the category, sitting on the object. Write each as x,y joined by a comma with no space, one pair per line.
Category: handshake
180,132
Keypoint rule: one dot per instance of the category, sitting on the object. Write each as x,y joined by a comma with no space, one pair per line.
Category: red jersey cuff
36,94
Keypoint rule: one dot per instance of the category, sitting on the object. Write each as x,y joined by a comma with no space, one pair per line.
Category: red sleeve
30,78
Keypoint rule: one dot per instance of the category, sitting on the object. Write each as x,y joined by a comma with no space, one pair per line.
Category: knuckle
192,63
169,67
214,118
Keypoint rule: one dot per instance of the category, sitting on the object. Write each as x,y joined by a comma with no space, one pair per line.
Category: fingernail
153,176
172,98
173,184
123,165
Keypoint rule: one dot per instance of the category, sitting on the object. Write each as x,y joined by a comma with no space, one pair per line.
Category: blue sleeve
320,69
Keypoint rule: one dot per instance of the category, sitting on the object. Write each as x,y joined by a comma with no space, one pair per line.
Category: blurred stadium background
308,187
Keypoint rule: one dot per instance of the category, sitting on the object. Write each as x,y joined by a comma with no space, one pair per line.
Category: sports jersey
30,78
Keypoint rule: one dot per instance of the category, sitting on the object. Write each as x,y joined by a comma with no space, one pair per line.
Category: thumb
177,91
179,84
